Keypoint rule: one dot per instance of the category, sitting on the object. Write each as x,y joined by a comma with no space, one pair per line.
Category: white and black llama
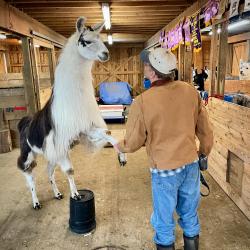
71,111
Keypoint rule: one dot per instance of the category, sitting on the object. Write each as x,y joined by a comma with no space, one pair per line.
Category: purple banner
186,29
195,31
210,11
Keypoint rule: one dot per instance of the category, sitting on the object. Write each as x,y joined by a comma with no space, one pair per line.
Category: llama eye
88,42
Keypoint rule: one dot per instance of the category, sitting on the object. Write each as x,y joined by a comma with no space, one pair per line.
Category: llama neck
73,71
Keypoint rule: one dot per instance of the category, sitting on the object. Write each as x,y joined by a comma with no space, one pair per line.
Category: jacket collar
159,83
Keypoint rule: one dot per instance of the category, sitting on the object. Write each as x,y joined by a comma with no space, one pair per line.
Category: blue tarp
115,93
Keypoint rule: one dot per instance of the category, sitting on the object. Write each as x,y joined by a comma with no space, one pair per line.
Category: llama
70,113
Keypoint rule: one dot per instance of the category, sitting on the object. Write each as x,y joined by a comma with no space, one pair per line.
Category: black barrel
82,213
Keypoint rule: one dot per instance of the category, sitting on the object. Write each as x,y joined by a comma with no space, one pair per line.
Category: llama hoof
37,206
122,158
59,196
77,197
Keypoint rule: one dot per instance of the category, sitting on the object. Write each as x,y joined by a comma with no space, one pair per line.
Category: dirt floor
123,207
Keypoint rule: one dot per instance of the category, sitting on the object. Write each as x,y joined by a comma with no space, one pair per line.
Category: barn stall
32,36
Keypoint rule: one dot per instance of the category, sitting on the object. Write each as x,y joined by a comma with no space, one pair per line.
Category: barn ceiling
142,17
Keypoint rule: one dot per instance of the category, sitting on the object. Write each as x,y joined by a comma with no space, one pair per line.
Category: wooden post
52,65
188,59
248,50
28,77
5,141
181,52
213,61
222,59
229,59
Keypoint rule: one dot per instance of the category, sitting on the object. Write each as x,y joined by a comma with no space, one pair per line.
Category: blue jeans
180,192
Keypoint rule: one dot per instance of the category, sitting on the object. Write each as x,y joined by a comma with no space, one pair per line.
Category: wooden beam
91,4
248,50
188,60
98,15
189,11
114,11
119,37
222,58
239,38
30,95
181,52
20,23
213,60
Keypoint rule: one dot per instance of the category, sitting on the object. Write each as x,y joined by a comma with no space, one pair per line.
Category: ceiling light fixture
110,40
3,36
106,15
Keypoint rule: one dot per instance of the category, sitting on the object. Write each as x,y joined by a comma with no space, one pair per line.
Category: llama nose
105,54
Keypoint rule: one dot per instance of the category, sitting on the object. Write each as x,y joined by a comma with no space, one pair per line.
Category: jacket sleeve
135,136
203,129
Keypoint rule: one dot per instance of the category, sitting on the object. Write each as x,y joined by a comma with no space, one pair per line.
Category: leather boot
169,247
191,243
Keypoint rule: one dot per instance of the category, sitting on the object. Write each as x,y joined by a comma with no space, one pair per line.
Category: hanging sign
171,39
180,33
195,31
210,11
175,37
186,29
234,8
162,38
247,5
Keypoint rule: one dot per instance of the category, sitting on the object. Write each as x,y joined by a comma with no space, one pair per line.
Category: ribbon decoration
195,31
211,11
187,34
162,38
180,33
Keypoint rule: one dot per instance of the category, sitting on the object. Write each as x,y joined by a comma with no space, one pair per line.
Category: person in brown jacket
167,118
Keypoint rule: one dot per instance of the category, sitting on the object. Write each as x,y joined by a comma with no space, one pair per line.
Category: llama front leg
67,168
103,135
31,183
51,172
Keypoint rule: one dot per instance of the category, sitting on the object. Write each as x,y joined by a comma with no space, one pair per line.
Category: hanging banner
247,6
171,39
210,11
162,38
175,35
234,8
223,4
195,31
180,33
186,29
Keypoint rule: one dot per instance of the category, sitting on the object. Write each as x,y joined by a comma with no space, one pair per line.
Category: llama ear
80,24
98,27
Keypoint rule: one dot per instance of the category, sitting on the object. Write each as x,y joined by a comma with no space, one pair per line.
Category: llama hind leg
51,171
67,168
26,163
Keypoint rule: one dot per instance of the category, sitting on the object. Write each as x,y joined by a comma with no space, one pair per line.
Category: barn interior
33,34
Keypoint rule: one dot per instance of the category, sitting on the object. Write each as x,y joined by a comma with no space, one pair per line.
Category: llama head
89,44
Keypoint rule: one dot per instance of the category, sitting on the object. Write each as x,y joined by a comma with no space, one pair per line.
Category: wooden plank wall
229,161
202,58
234,86
124,65
9,99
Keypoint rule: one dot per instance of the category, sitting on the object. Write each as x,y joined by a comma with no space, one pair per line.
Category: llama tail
23,123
